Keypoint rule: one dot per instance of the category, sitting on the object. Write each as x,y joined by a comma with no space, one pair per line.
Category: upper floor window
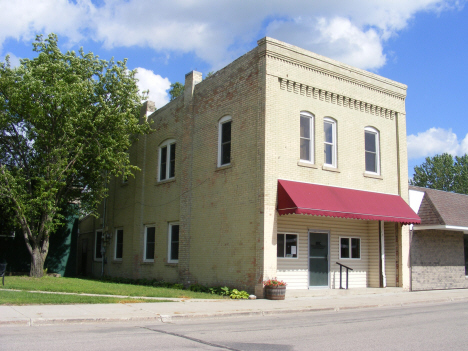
224,141
167,152
307,137
371,142
329,128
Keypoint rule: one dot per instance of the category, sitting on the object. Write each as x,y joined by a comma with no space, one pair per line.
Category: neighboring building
281,164
61,258
439,245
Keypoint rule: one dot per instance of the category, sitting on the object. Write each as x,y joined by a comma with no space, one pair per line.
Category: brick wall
227,215
298,80
438,260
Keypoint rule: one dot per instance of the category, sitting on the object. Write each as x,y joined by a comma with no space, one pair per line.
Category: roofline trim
441,227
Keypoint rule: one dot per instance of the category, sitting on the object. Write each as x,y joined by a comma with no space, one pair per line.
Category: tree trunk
37,263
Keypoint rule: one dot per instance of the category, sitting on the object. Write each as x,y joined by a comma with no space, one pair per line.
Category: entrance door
318,259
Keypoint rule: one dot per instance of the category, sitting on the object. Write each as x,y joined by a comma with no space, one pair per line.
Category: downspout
382,253
410,264
103,234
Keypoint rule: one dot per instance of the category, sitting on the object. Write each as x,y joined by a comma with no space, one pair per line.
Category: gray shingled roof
442,207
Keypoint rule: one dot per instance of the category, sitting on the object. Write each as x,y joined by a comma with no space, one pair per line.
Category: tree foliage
67,121
443,172
177,89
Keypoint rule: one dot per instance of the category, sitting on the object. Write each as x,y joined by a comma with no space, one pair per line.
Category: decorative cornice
335,75
305,59
338,99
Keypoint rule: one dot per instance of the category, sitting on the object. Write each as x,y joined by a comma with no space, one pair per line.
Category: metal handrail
347,269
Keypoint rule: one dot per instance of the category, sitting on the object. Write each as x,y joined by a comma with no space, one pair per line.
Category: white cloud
23,19
436,141
156,84
218,31
338,38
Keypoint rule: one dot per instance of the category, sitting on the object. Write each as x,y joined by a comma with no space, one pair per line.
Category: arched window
372,147
167,153
307,137
329,129
224,141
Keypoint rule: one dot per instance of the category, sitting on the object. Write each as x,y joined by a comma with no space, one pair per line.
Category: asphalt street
436,326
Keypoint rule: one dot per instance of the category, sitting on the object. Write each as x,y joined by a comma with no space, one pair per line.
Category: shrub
236,294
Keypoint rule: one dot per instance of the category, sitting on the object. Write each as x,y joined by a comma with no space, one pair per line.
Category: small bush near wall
220,290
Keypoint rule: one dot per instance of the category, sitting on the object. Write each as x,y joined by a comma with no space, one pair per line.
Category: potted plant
274,289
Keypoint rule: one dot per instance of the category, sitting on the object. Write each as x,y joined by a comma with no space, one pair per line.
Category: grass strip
90,286
27,298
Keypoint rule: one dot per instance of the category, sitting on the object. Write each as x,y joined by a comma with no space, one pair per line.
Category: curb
170,318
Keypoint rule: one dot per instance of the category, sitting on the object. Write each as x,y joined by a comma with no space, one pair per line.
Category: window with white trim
150,240
167,153
329,129
224,141
98,245
307,137
118,249
350,248
372,148
173,243
286,245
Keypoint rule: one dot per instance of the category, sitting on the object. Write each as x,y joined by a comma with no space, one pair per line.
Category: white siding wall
295,271
373,252
390,253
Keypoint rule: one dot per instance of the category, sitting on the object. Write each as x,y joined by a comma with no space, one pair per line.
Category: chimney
191,79
147,108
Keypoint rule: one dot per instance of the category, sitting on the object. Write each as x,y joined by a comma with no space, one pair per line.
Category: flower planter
275,292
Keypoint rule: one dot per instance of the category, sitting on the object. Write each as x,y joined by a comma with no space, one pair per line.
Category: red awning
329,201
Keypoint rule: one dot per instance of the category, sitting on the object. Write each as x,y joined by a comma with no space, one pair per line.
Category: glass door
318,259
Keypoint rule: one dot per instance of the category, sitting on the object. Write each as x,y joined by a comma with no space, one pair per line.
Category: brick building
439,244
281,164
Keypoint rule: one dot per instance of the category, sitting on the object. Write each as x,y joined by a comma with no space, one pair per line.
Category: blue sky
421,43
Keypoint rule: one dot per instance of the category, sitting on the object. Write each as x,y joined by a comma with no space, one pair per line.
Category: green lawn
9,297
88,286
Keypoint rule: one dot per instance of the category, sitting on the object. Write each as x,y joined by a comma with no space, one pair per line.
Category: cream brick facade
227,215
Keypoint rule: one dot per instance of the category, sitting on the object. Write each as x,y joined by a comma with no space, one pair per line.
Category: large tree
443,172
67,121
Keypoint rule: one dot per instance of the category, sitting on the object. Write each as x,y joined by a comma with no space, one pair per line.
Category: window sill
165,181
287,258
117,260
144,263
330,169
373,175
350,259
223,167
306,164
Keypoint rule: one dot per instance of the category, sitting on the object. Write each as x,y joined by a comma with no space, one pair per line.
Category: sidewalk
296,301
